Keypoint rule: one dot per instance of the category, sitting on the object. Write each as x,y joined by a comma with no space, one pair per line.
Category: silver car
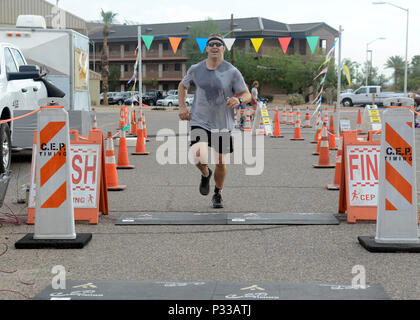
189,100
168,101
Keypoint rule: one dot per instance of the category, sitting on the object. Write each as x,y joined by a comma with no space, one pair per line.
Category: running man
212,112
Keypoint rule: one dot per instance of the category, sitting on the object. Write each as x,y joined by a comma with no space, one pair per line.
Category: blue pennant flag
323,80
202,43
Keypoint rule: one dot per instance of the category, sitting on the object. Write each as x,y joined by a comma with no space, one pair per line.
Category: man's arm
233,102
184,113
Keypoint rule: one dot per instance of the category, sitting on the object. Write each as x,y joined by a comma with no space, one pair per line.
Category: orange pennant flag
174,43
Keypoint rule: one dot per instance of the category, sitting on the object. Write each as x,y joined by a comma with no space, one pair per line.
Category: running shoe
205,184
217,201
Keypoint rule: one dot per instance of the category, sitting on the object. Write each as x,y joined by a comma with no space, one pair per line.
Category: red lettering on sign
77,169
373,167
362,163
352,166
90,168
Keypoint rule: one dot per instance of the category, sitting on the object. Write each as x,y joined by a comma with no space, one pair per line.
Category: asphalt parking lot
292,254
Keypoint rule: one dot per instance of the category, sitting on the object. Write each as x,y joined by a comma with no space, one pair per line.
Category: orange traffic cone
332,129
123,112
284,116
133,124
110,167
123,162
290,117
324,153
317,135
318,146
277,133
140,145
297,135
331,141
95,123
144,127
307,123
337,175
359,122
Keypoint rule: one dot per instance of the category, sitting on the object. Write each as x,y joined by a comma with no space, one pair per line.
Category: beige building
11,9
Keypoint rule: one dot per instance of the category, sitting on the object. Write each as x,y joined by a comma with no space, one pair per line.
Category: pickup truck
364,95
21,87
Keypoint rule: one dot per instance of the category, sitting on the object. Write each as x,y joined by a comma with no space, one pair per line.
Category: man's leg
221,171
200,153
219,177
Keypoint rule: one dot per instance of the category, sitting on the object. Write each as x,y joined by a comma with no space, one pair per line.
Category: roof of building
11,9
242,27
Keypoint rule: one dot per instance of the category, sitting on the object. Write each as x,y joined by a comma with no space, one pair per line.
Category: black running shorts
221,142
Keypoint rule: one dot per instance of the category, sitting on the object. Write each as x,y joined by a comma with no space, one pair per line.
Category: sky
362,21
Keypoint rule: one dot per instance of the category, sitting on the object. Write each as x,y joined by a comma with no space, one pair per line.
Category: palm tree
398,64
107,18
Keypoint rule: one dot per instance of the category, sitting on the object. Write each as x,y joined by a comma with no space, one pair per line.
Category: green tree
107,19
114,77
396,63
414,74
201,29
374,78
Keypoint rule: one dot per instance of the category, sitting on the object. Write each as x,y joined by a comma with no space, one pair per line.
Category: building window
177,67
323,45
126,47
165,67
302,46
165,87
100,47
126,68
165,46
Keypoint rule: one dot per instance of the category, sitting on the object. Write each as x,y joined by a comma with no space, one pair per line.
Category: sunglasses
217,44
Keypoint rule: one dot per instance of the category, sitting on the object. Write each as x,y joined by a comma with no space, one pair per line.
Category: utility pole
232,58
339,79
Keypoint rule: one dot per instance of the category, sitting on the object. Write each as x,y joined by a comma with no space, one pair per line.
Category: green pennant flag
148,41
313,41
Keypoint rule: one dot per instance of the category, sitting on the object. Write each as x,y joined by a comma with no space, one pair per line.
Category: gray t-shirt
213,88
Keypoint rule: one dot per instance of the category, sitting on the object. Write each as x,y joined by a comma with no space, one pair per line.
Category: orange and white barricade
90,195
397,217
359,179
54,218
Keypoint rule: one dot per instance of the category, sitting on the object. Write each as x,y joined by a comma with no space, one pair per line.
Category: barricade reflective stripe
49,169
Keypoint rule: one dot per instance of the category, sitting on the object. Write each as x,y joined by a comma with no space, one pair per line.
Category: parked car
168,101
130,100
110,97
120,97
150,98
189,100
363,96
172,93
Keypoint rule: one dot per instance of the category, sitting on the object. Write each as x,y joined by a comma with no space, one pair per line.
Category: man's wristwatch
240,101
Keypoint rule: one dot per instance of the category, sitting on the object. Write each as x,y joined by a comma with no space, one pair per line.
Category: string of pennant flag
256,42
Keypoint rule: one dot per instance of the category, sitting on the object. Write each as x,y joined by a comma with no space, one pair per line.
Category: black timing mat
166,290
223,218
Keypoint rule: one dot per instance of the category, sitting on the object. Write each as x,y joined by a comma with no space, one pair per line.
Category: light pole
406,42
367,57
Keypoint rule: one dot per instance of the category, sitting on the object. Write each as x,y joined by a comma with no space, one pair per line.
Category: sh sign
363,169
